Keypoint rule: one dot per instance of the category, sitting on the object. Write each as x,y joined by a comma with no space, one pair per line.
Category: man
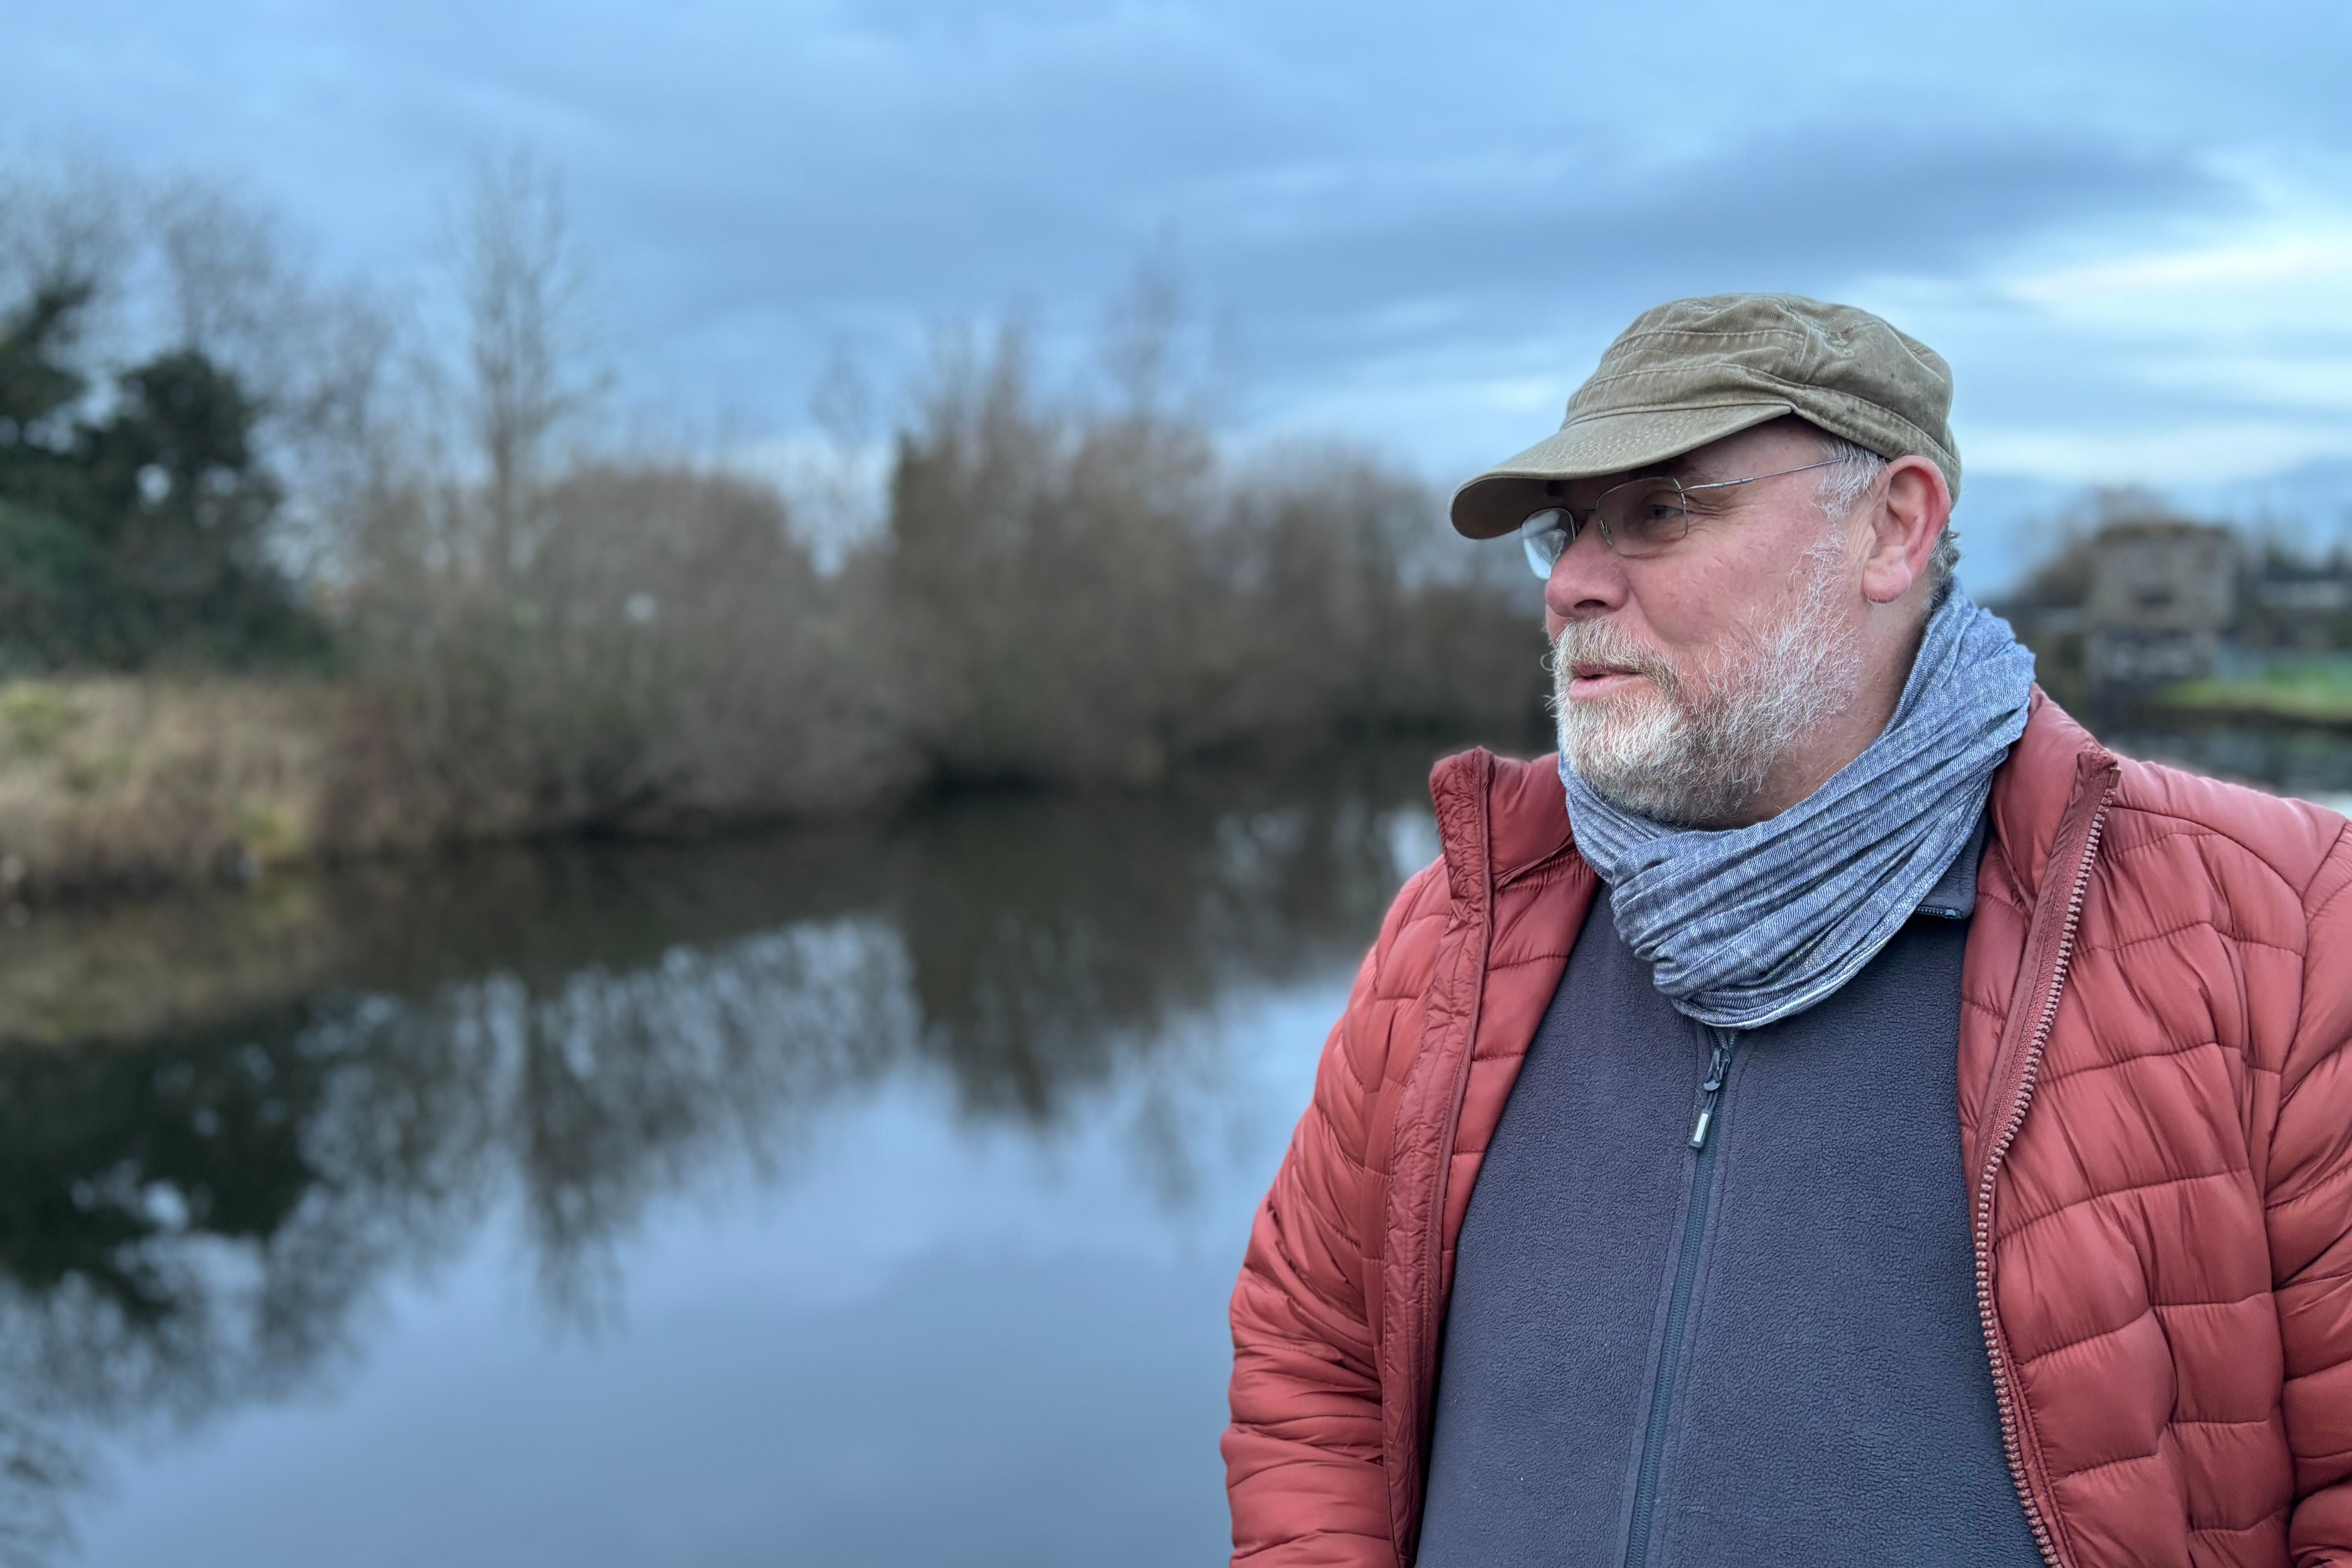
1839,1112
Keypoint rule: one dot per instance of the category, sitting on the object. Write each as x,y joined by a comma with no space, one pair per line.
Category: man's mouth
1600,665
1592,678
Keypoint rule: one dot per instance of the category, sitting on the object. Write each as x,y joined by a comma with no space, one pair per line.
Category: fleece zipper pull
1718,1065
1695,1204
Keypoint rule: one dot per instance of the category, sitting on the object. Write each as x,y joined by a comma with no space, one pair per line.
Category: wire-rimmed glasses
1638,517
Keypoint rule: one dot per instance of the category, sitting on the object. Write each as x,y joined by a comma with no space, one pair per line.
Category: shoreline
117,789
204,961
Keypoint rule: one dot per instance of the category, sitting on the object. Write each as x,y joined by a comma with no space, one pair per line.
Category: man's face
1682,678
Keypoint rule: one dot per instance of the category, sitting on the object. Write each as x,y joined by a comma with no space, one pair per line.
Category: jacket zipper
1405,1540
2005,1393
1695,1204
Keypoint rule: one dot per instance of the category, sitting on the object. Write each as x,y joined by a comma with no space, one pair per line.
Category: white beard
1697,746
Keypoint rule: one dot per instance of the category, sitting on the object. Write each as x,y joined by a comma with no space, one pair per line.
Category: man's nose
1586,581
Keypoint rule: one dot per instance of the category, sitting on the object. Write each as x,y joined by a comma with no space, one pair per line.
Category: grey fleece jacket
1764,1351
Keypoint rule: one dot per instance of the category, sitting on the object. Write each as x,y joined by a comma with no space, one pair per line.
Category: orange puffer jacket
2155,1113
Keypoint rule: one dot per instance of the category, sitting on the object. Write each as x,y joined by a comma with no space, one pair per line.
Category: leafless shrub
579,640
1094,592
1350,606
665,656
1047,564
1064,591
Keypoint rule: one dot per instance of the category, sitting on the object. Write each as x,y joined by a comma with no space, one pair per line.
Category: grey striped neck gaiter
1746,925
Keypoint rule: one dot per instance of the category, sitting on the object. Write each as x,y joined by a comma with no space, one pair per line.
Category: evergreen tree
47,567
138,537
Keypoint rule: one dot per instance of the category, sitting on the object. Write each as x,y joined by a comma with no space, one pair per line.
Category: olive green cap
1696,371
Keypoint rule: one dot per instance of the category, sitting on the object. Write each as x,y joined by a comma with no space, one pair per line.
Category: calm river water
843,1196
861,1196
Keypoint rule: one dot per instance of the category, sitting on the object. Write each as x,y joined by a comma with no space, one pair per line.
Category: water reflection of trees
189,1217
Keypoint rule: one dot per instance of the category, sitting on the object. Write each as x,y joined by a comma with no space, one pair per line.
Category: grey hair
1854,471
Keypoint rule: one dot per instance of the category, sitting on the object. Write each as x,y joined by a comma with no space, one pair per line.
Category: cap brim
1499,499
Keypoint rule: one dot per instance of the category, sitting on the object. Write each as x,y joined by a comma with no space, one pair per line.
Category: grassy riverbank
115,783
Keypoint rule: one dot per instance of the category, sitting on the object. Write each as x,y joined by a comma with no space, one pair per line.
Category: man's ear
1906,519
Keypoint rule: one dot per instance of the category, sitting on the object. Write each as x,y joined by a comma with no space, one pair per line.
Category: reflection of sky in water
885,1217
931,1343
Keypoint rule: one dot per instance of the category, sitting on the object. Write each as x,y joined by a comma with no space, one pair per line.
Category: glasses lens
1545,536
1645,516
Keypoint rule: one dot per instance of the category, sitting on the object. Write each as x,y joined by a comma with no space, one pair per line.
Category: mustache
1600,642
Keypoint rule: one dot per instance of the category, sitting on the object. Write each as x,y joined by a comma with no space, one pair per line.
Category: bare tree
1162,356
226,276
521,289
60,216
1140,341
318,357
837,478
67,228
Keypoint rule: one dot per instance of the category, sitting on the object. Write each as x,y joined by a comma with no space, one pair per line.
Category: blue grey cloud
1806,209
1396,202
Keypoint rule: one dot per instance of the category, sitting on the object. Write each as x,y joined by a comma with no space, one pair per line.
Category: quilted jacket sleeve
2310,1220
1303,1455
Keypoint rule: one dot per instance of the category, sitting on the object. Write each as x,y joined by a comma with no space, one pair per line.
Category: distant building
2298,605
2160,596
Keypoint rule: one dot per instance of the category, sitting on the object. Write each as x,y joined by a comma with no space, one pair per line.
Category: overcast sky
2130,228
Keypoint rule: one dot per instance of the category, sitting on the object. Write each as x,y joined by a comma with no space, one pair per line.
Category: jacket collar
2052,762
1499,815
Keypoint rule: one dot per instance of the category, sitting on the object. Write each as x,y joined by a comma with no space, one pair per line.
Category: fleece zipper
1696,1202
